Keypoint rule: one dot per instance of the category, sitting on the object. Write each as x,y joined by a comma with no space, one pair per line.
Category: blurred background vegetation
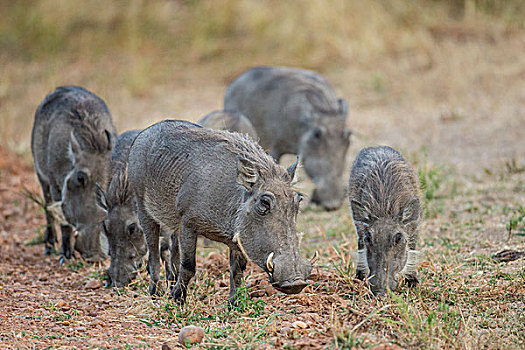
136,47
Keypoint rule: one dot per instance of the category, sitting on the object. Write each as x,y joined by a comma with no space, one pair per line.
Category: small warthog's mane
119,191
386,187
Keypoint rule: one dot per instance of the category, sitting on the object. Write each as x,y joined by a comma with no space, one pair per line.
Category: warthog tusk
314,258
269,262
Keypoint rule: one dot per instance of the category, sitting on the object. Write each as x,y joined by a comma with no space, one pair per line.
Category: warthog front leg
165,254
237,267
151,233
187,249
66,242
50,236
175,255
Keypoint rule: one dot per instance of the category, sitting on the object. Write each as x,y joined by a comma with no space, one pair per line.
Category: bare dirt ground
457,111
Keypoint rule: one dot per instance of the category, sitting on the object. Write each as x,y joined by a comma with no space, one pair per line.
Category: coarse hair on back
246,148
387,186
87,120
119,191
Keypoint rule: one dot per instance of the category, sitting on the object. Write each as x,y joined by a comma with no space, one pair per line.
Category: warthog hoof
361,275
411,280
178,296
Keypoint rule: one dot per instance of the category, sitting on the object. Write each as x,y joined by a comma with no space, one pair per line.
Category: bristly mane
88,128
119,191
246,148
384,185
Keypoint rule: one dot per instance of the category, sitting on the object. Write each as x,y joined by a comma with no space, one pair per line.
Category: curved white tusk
314,258
269,262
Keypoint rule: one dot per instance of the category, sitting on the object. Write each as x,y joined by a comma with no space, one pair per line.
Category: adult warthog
72,138
223,186
297,111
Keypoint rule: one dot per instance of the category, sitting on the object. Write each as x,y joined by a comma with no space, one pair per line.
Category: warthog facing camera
223,186
384,198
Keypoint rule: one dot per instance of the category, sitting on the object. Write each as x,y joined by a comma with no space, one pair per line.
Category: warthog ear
111,140
360,213
101,198
343,107
74,149
246,173
410,212
291,169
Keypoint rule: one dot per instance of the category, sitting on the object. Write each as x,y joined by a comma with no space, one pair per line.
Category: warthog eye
398,238
82,178
132,228
264,204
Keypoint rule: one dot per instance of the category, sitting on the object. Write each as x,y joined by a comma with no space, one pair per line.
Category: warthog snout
294,287
288,274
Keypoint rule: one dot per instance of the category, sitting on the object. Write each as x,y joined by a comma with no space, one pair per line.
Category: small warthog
229,120
127,245
384,197
296,111
221,185
72,138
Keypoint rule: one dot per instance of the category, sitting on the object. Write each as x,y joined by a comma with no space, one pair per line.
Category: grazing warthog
127,245
384,197
296,111
72,138
221,185
229,120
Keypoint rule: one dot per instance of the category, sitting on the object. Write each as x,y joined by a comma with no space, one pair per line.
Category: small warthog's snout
379,286
294,287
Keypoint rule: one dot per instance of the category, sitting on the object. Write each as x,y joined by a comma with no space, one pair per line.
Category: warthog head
90,156
323,152
266,222
385,240
127,246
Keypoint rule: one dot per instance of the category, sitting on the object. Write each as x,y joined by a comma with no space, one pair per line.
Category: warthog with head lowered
71,142
384,197
223,186
297,111
127,245
229,120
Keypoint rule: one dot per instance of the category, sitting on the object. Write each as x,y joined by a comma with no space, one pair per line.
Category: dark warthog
384,197
72,138
296,111
127,245
229,120
221,185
